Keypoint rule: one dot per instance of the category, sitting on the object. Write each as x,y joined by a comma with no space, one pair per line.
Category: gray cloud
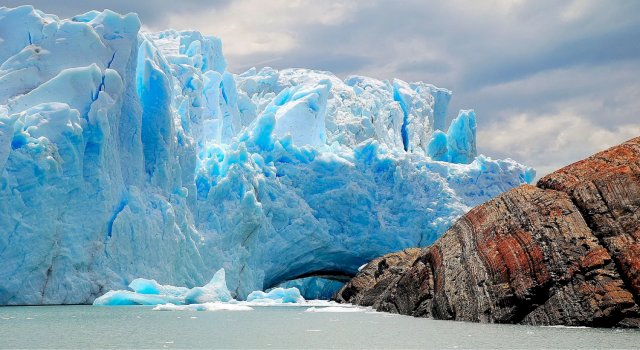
337,63
152,12
523,65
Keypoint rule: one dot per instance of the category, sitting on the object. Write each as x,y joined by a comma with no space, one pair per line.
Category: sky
551,81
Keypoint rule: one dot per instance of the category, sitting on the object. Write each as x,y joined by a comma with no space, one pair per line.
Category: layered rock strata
564,252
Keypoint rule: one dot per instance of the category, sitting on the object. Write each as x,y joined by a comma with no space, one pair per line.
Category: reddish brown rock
565,252
606,189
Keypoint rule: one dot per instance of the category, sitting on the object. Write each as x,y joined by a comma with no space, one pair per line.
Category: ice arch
333,275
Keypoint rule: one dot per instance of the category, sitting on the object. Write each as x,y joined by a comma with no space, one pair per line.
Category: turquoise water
276,327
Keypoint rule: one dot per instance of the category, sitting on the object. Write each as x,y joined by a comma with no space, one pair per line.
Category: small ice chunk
277,295
125,297
336,309
203,307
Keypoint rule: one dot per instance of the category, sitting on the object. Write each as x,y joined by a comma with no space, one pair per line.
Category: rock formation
564,252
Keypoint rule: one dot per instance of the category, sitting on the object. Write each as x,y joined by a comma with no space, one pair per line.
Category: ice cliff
126,154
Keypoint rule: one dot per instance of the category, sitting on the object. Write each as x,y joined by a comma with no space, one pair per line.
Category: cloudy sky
551,81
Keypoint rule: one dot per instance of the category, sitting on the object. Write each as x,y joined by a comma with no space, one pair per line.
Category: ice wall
126,154
91,192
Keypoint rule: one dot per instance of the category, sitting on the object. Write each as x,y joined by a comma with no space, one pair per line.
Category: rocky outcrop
563,252
606,189
384,273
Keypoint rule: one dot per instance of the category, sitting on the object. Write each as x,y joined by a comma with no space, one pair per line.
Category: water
277,327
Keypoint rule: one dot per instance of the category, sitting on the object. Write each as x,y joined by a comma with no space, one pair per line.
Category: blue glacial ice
125,153
276,296
458,145
314,288
150,292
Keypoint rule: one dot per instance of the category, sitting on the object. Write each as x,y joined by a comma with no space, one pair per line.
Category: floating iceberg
125,153
276,296
149,292
125,297
338,309
213,296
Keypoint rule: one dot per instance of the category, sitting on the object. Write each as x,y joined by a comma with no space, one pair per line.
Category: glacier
127,154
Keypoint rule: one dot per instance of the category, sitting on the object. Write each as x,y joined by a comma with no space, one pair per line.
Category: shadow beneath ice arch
334,275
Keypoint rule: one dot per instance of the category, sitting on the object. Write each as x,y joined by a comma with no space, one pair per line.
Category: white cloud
256,27
576,10
549,142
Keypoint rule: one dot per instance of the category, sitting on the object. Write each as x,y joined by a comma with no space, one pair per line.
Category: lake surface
277,327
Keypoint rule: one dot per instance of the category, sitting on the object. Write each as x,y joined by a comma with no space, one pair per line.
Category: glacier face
127,154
